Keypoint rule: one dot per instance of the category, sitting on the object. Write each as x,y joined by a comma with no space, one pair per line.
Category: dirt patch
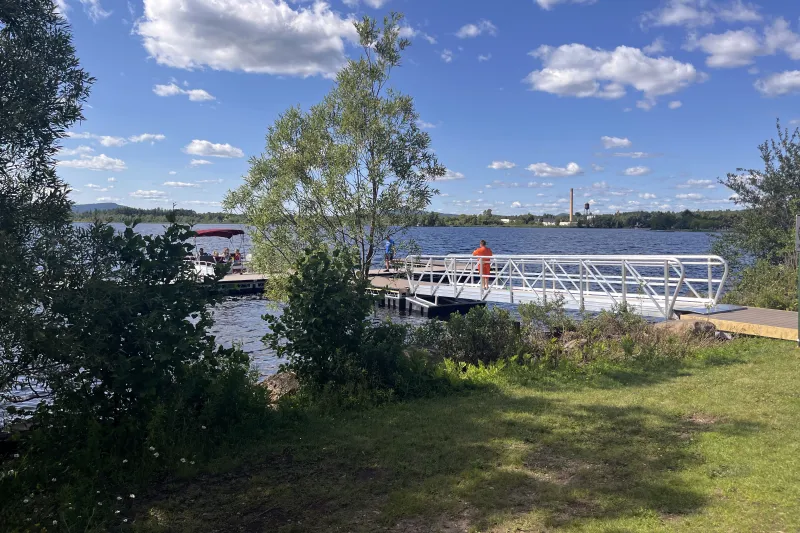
443,524
702,419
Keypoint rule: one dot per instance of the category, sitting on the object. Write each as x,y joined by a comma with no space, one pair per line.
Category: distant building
505,220
566,223
548,222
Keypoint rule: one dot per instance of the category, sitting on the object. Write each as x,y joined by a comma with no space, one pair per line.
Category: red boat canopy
226,233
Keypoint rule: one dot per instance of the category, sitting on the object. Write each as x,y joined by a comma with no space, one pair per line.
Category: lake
238,320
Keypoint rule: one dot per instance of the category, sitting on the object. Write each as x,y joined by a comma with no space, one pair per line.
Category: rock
676,326
575,345
704,329
281,384
723,336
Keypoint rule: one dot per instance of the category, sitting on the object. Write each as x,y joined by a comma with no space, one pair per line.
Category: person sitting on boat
201,253
226,254
237,256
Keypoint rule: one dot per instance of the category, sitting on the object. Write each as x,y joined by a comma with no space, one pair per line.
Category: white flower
116,512
202,427
183,460
155,454
16,456
55,522
124,461
53,480
100,504
119,498
191,462
125,520
26,500
133,495
152,449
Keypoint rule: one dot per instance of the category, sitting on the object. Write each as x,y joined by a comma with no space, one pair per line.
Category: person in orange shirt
485,264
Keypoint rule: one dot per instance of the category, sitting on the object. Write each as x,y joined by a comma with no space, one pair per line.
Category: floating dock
769,323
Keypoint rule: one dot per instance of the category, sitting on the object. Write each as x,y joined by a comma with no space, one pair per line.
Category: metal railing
653,285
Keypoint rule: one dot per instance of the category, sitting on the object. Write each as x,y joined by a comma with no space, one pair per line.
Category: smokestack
571,198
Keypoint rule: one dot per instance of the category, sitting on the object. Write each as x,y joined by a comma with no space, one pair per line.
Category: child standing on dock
388,255
484,264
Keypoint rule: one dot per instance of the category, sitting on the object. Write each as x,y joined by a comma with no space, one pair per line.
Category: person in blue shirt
388,255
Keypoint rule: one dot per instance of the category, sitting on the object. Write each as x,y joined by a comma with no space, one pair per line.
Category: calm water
238,320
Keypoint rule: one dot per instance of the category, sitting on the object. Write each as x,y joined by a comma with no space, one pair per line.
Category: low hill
86,208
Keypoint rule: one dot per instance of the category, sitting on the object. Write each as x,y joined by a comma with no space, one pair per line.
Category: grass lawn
710,444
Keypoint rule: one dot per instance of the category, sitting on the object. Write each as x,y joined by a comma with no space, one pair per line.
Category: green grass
709,444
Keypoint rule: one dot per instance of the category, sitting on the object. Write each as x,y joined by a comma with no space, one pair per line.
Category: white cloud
112,179
407,32
450,175
693,13
265,36
473,30
582,72
447,55
93,10
62,7
97,163
181,184
220,180
545,170
209,149
597,168
635,155
647,195
647,104
615,142
636,171
198,162
425,125
201,202
429,38
107,140
537,185
112,141
738,48
780,84
697,184
550,4
689,196
172,172
656,47
516,205
482,58
75,151
502,165
149,195
675,104
93,186
144,137
195,95
107,199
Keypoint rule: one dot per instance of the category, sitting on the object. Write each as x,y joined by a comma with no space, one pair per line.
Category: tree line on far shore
683,221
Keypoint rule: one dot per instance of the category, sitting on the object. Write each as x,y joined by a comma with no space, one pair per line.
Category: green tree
351,170
771,197
42,89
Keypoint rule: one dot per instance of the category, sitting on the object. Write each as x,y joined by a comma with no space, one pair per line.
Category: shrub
765,285
324,333
481,335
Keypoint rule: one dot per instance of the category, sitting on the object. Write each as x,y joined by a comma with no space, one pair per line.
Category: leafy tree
771,198
42,89
351,170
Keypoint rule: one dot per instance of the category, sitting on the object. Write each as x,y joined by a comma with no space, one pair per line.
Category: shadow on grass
454,464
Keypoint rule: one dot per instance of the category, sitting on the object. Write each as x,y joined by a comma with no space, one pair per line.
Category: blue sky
636,104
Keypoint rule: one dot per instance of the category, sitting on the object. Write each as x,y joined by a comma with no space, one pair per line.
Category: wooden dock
754,321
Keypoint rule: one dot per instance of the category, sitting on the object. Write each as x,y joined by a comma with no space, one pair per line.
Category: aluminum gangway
653,285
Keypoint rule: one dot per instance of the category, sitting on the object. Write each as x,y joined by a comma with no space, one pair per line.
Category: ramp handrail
657,283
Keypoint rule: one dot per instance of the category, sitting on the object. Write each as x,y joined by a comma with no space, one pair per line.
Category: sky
636,104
